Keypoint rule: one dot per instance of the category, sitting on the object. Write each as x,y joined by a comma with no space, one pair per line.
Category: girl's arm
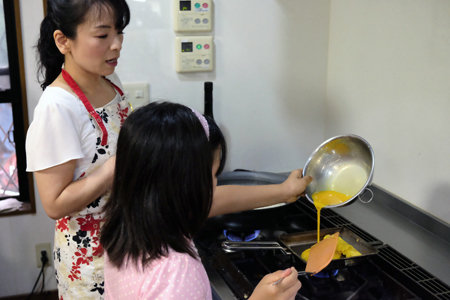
61,196
234,198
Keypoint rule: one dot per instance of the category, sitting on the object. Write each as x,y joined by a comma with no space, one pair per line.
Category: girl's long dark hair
162,190
66,16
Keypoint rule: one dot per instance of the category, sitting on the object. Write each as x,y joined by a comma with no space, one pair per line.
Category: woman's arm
61,196
234,198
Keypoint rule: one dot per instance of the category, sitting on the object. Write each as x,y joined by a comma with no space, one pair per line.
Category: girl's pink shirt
177,276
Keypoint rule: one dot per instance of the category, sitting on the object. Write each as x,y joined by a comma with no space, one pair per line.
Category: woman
71,142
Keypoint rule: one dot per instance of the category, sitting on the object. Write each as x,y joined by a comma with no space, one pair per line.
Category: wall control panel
194,53
192,16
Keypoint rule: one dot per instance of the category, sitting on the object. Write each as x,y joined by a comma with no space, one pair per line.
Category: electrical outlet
47,248
137,93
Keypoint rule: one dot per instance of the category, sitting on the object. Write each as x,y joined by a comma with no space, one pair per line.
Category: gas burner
235,273
326,274
242,236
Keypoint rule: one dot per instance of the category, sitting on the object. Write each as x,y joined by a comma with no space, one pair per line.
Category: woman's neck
88,82
97,90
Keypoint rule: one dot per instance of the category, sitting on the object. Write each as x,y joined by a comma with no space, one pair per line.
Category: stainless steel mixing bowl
343,164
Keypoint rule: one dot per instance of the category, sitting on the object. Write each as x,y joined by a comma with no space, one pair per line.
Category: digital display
185,5
186,47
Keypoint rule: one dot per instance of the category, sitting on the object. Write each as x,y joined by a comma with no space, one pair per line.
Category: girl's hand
294,186
280,285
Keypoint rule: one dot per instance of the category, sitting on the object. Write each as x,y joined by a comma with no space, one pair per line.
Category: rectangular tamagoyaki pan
296,243
299,242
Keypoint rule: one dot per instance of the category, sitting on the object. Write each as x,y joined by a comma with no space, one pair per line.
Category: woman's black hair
66,16
162,190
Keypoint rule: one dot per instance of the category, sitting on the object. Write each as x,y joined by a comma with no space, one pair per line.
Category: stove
234,274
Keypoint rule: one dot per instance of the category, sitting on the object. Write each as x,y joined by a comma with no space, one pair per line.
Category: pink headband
203,121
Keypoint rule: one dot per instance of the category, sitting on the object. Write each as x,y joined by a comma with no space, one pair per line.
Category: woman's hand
294,186
280,285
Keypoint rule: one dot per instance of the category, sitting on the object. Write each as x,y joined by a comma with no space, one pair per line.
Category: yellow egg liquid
325,198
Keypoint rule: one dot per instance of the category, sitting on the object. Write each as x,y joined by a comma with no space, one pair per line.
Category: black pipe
208,99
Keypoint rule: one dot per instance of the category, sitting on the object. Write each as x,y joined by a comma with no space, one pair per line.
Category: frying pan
247,177
320,254
296,243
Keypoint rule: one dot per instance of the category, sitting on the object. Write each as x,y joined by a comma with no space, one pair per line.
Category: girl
72,140
168,159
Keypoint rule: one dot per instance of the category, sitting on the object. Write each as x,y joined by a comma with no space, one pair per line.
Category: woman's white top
61,131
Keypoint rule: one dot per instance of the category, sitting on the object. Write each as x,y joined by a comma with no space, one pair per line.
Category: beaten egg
325,198
342,249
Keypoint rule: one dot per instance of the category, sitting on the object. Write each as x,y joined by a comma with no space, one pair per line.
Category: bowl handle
366,201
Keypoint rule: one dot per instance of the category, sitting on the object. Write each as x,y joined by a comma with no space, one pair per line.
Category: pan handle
300,273
229,245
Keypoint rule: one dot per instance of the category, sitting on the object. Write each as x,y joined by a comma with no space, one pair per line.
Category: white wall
269,93
389,81
269,81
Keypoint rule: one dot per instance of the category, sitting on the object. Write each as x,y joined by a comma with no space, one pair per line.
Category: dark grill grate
418,274
336,220
436,287
433,286
396,259
445,296
305,205
328,213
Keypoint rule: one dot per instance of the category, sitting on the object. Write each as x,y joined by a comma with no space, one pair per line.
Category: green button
199,46
197,5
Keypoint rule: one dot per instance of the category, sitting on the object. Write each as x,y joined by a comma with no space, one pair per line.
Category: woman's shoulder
57,99
53,95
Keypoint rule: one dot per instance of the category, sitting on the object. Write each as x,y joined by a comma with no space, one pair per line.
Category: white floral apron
77,251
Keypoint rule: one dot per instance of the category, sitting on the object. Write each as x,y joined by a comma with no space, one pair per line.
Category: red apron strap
74,86
118,89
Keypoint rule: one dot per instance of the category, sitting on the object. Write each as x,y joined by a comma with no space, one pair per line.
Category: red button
206,46
205,5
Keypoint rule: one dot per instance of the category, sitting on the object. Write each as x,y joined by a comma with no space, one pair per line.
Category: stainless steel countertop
391,224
